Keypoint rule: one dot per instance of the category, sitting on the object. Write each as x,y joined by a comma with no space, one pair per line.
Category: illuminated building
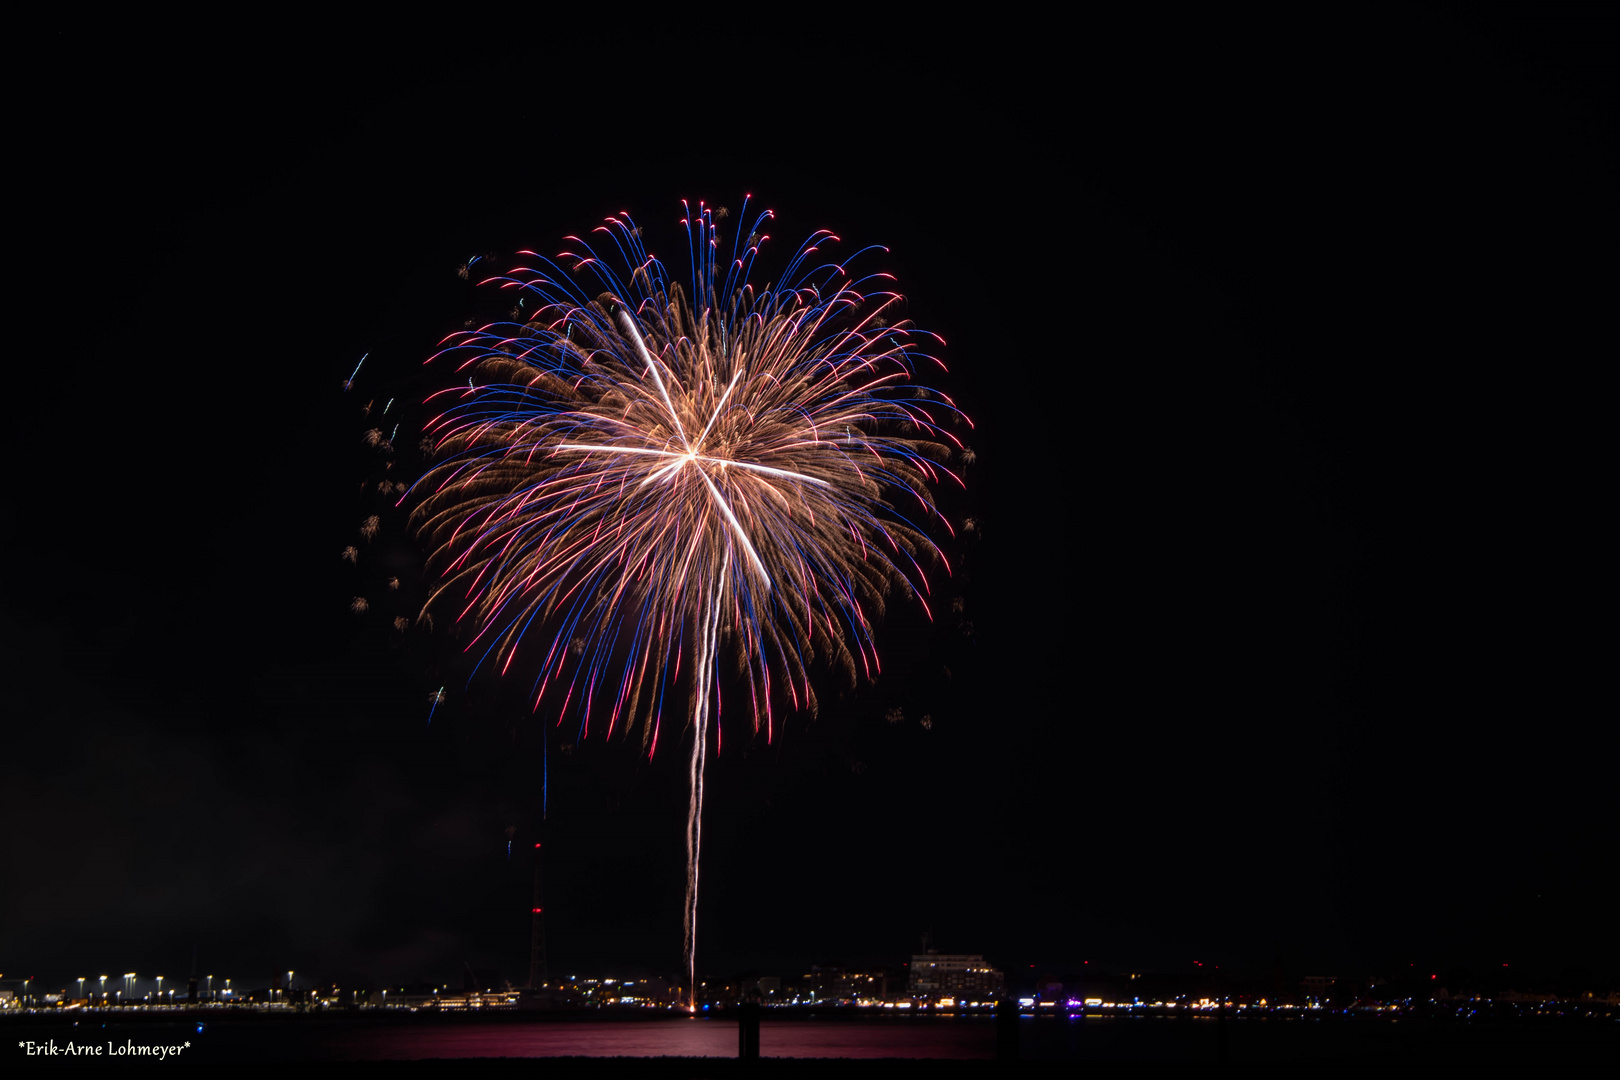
934,974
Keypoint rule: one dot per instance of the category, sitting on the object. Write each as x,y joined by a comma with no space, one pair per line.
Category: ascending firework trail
683,471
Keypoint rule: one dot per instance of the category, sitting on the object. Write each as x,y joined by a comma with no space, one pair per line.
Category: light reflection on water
675,1038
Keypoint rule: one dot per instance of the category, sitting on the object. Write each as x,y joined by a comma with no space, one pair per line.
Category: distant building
1519,998
764,988
935,974
829,984
1318,986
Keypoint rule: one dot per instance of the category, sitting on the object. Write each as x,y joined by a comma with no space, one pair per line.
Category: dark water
409,1039
400,1039
675,1038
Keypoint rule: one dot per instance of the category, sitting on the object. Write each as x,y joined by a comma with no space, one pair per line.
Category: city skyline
1268,636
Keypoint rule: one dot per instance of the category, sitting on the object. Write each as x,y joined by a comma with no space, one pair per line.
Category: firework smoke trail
636,484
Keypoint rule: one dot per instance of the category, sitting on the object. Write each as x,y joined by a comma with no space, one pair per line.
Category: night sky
1281,635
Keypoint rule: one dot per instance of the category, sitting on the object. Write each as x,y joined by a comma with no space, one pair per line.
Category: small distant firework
896,715
351,554
393,584
370,527
359,605
375,439
671,467
927,722
401,623
435,699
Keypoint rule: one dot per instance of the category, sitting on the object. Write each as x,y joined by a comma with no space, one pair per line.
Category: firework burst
648,485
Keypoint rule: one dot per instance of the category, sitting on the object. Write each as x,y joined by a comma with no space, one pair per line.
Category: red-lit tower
538,976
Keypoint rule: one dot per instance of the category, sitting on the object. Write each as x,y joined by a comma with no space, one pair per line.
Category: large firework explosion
698,478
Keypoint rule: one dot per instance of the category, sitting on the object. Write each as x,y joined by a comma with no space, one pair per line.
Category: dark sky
1283,633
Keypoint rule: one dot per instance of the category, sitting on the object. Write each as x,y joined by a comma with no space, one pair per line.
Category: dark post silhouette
748,1030
1007,1029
